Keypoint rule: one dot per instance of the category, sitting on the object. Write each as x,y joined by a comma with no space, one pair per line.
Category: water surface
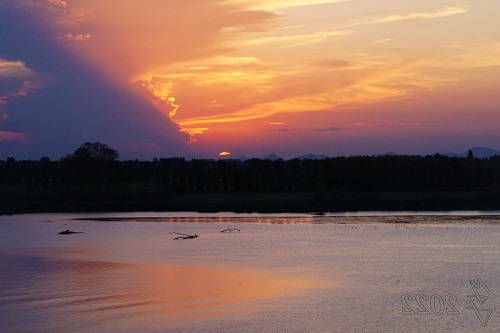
279,273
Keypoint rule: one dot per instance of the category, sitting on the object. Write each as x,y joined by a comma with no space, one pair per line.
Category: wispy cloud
44,4
193,132
381,41
280,4
368,124
15,137
17,80
27,87
393,124
467,56
443,12
295,39
60,3
79,37
336,63
327,129
11,69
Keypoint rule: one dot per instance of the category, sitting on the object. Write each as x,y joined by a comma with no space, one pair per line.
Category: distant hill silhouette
312,157
390,153
272,157
478,152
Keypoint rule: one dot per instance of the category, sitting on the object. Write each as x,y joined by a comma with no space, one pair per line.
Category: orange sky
291,77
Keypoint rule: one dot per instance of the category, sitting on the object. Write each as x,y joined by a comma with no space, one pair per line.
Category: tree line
97,164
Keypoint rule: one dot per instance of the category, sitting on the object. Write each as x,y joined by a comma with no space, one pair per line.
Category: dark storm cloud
66,102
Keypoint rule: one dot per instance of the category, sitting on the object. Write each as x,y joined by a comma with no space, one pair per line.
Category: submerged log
183,236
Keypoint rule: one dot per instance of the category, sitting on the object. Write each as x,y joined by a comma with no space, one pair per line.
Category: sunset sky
221,79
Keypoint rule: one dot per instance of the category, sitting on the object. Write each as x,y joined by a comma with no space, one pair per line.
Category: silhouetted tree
92,162
470,155
96,151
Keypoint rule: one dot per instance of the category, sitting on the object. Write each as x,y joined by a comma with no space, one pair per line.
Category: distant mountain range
274,157
478,152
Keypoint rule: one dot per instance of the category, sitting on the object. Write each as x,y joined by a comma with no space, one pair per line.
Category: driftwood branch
231,230
69,232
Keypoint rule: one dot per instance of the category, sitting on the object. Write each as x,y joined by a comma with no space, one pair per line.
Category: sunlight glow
224,71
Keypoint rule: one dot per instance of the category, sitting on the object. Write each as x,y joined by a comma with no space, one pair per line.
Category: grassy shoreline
302,202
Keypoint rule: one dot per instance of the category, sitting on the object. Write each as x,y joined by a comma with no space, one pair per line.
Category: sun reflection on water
62,293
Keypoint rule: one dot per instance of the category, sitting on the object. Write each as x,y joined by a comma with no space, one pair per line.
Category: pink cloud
71,37
16,137
60,3
27,87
